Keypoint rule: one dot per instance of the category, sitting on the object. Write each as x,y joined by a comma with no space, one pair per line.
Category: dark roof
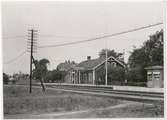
92,63
154,67
89,64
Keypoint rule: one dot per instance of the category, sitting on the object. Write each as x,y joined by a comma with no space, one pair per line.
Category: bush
5,78
136,75
116,75
55,76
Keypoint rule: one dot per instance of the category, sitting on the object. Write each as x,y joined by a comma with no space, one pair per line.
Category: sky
62,22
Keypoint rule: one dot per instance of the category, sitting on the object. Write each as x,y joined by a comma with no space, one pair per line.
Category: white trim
79,76
93,76
107,60
156,72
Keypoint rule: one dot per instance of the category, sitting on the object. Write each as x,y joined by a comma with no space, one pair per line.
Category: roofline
153,67
107,59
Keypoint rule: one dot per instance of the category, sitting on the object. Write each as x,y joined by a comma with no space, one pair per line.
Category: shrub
5,78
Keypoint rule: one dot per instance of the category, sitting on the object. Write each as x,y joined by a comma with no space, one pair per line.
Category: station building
86,72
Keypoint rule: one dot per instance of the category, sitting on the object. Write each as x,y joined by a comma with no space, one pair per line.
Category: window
114,64
156,75
149,75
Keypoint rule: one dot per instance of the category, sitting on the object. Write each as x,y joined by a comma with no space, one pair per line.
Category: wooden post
31,46
106,68
31,60
79,77
93,76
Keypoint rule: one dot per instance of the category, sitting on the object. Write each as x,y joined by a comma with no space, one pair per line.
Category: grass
17,100
135,111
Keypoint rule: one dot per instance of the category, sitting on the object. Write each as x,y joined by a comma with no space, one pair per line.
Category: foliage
40,68
113,53
65,66
115,76
137,74
154,48
55,76
21,78
5,78
151,53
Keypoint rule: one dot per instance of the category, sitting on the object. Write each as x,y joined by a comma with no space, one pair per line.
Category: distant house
86,71
11,80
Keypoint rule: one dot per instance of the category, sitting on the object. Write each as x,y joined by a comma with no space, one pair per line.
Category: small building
155,76
86,72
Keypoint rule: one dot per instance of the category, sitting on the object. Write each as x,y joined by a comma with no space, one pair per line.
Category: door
150,80
156,77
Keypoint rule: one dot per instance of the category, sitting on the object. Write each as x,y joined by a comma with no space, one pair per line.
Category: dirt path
73,114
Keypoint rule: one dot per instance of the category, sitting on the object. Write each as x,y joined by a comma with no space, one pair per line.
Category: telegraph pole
32,36
31,48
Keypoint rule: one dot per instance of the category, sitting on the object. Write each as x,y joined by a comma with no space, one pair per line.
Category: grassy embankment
17,100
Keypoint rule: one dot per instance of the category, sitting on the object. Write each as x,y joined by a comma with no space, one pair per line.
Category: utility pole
106,81
106,76
125,69
31,48
31,60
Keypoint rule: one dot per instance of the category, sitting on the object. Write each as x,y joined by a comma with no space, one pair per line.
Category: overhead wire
101,37
59,36
13,37
15,58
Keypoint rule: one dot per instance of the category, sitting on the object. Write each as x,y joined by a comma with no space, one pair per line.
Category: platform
114,87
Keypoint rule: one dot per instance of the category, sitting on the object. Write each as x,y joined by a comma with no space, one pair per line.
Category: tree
115,74
113,53
137,76
150,53
55,76
138,58
154,48
5,78
41,69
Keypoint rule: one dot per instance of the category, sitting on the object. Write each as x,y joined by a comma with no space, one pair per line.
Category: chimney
88,57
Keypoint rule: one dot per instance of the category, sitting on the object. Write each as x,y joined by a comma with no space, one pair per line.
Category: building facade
86,72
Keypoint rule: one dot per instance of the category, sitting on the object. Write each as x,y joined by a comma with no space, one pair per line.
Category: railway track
108,91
